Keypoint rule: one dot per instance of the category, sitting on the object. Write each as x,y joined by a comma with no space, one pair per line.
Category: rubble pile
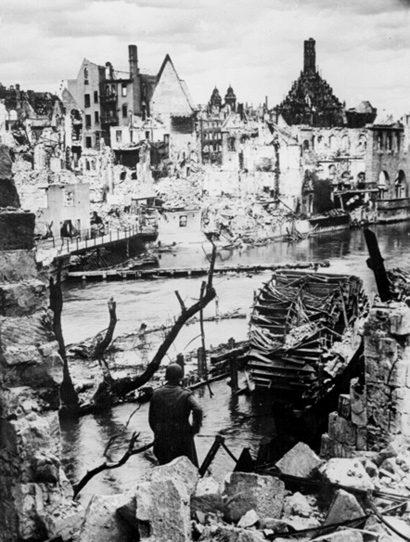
336,501
179,193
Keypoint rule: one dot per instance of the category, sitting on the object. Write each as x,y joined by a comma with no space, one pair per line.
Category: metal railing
90,238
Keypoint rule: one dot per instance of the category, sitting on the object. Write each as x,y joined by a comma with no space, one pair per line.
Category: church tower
311,100
230,98
309,56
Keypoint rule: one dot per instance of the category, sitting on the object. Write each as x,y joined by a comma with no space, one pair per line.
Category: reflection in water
242,420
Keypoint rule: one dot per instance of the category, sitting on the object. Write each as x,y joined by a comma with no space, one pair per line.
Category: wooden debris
297,318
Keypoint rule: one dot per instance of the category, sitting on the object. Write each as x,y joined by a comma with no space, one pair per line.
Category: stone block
102,523
163,508
227,533
346,472
343,406
17,230
8,194
29,367
371,368
180,469
207,496
399,319
398,374
23,298
326,446
361,441
16,265
35,329
6,163
344,507
358,402
399,525
248,520
299,461
244,491
347,535
275,525
341,430
388,348
297,504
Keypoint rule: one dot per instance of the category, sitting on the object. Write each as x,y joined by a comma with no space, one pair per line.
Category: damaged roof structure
104,99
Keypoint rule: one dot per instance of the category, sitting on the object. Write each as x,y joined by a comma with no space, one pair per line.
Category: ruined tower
230,98
309,56
215,100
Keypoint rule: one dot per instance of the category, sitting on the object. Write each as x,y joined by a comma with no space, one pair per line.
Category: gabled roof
167,60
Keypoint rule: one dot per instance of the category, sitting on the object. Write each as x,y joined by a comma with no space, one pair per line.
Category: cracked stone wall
35,495
377,413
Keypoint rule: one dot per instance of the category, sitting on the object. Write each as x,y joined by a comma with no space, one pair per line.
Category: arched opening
306,145
400,187
345,143
383,184
362,143
332,142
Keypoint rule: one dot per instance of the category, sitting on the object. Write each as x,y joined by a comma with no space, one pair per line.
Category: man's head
173,373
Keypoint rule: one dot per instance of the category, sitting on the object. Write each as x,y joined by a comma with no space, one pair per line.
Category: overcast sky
362,46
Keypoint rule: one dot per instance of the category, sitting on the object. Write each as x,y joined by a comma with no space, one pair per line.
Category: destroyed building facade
123,108
353,149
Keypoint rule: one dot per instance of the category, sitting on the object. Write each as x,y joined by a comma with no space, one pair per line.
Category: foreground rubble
331,501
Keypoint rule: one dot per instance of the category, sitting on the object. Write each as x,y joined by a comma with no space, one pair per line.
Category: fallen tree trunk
110,389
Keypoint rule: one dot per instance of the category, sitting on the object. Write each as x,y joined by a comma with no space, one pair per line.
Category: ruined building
311,100
107,104
29,120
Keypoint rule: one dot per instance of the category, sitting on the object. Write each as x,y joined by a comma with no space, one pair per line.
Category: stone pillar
378,412
387,374
35,495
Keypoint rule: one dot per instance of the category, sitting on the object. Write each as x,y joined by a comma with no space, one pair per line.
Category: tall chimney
133,60
135,79
309,57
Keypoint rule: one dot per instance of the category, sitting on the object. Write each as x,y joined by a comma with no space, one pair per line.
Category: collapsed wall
376,412
35,495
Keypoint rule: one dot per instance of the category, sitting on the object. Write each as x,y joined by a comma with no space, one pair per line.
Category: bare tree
68,396
110,390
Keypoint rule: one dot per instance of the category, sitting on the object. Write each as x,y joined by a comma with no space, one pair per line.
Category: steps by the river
177,272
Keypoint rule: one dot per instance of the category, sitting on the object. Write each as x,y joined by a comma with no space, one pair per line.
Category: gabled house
103,101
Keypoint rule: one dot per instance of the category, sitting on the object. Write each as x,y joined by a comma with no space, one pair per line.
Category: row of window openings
215,135
118,136
109,91
387,143
345,143
110,114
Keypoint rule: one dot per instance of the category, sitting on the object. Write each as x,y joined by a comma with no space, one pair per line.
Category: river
242,420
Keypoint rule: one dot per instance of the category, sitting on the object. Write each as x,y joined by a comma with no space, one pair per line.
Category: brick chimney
135,78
